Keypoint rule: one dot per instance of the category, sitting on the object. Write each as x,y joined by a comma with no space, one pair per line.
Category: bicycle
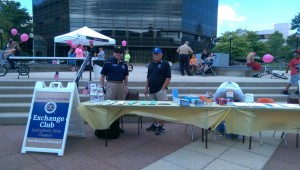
282,76
21,68
267,71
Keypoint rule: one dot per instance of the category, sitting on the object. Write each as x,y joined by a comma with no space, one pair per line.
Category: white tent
83,36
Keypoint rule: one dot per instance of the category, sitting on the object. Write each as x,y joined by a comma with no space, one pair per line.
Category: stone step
13,118
27,98
14,107
193,90
83,83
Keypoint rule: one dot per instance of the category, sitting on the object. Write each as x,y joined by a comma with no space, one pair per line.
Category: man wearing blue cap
158,79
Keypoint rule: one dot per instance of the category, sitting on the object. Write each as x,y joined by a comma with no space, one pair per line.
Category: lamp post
230,39
1,32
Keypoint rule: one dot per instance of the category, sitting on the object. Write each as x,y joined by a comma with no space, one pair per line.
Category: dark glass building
143,24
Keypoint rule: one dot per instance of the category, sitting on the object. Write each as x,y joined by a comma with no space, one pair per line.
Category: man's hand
146,92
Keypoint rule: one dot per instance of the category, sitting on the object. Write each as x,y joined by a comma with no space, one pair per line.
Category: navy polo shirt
114,70
157,74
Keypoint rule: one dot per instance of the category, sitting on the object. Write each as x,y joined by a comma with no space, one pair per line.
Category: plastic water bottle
100,95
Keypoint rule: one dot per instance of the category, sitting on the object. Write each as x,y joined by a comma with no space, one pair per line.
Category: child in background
294,64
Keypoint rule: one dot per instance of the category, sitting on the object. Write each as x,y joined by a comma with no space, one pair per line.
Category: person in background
238,95
71,53
127,56
13,50
251,63
184,51
86,53
158,79
78,54
8,44
116,73
193,60
101,54
204,57
193,63
93,53
294,64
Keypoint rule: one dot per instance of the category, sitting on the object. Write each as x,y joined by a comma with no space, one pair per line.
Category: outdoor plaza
173,150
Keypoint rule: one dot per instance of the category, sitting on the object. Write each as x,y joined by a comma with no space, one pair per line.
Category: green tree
276,42
243,42
13,16
295,22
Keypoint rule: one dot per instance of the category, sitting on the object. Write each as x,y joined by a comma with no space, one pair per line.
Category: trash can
97,69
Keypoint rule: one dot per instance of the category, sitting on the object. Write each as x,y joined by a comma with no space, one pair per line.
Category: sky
252,15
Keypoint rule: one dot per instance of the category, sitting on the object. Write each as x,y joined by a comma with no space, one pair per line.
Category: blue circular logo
50,107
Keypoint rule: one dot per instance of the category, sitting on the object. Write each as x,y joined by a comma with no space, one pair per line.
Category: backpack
113,131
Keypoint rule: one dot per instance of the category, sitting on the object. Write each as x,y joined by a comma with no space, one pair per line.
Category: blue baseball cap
157,50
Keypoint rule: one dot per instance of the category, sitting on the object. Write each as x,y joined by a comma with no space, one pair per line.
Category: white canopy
83,36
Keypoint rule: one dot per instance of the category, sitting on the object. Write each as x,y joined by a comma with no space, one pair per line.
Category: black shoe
286,92
256,75
153,127
161,130
121,130
190,75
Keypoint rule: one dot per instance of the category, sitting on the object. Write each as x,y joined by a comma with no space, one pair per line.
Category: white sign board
50,118
249,98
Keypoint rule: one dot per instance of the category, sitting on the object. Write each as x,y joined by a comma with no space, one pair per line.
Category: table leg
106,133
250,141
206,138
297,140
202,134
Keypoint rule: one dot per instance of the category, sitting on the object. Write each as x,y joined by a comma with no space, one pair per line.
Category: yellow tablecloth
239,120
101,116
247,121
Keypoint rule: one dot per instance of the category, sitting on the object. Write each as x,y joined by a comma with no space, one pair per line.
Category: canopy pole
54,48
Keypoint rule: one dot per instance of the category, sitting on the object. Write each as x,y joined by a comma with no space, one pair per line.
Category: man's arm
190,51
166,83
102,80
126,84
146,88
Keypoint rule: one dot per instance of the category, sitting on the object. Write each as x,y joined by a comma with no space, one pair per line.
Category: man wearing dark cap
184,58
294,64
158,79
116,73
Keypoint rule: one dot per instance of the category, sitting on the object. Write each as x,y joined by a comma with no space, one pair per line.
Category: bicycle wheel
23,70
3,70
282,76
130,67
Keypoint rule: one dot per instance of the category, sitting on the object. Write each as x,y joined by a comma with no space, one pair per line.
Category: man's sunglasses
120,52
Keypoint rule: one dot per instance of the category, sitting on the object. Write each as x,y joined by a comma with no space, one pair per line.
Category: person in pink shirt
294,64
79,51
79,54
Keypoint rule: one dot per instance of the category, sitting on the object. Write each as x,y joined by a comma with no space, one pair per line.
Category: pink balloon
14,31
91,42
267,58
124,43
69,42
73,45
24,37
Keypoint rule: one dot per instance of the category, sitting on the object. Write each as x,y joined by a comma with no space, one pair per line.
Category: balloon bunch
24,37
73,45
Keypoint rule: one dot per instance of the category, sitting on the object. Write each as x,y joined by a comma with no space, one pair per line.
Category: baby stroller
206,67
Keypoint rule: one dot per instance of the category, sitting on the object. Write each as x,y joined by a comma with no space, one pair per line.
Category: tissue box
184,102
